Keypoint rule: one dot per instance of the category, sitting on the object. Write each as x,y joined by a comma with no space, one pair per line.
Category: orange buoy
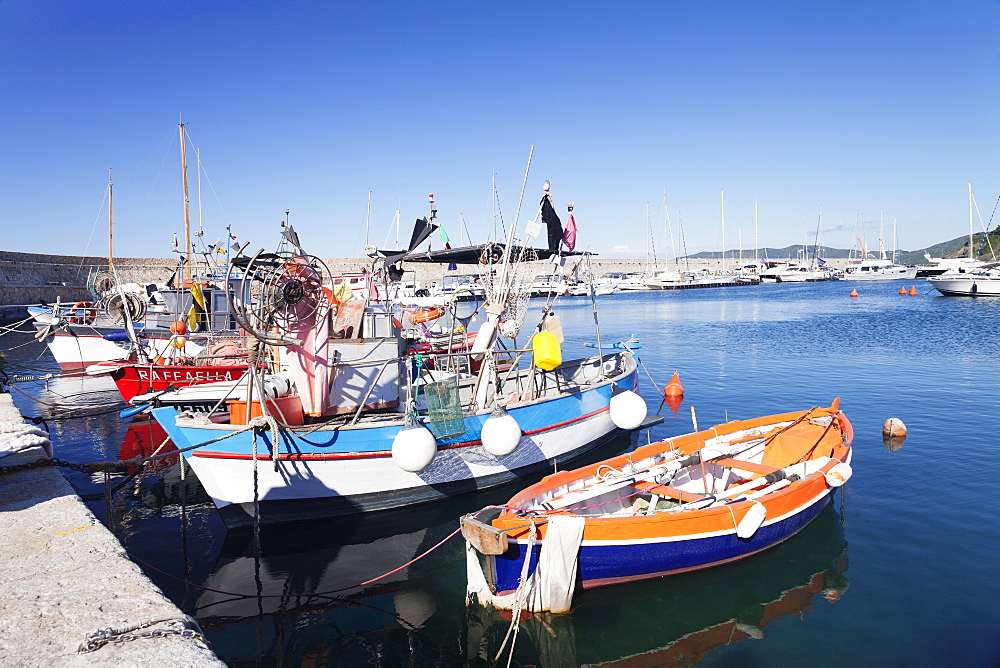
178,327
674,387
913,290
902,289
854,293
894,427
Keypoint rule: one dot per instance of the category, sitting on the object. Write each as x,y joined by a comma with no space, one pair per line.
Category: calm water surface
900,570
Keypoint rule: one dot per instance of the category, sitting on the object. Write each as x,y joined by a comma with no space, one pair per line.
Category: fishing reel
280,295
102,284
121,307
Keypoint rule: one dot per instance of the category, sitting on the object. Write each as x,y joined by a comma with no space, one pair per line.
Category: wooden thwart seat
667,491
762,469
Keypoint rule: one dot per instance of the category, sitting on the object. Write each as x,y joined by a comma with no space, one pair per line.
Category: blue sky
852,107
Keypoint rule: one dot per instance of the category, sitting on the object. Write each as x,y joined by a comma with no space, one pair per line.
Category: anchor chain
44,462
102,637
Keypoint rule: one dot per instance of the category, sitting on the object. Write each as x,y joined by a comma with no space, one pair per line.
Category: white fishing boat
375,427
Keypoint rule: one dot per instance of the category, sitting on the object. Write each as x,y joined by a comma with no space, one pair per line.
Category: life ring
425,315
86,316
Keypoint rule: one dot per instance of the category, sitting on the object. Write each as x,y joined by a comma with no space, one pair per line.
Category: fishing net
444,408
510,287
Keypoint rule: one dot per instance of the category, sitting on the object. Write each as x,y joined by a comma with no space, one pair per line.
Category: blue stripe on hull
605,564
378,439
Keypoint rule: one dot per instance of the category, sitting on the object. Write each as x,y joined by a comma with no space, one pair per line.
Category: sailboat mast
881,242
819,223
971,256
723,192
111,262
187,218
756,241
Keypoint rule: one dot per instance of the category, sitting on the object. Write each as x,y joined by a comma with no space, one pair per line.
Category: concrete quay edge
66,576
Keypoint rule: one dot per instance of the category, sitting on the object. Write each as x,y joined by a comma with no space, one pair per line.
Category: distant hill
957,247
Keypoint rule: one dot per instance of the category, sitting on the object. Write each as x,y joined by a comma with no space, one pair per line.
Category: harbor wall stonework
33,278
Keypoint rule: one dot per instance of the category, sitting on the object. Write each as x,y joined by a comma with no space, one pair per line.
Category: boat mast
368,216
111,262
756,241
819,223
881,242
187,218
723,192
971,257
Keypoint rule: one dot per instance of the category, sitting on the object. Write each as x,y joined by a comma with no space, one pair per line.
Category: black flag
551,220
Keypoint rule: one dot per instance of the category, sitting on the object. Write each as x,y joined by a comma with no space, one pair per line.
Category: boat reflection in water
145,437
304,600
295,598
679,620
298,593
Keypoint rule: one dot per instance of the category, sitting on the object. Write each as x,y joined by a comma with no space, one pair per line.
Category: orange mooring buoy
854,293
902,289
894,427
674,387
913,291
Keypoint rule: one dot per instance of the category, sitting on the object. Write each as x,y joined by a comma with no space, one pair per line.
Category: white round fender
839,474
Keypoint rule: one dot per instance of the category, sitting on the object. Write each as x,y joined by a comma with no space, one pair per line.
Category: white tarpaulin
550,587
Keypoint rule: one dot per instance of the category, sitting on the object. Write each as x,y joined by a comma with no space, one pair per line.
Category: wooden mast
187,220
111,262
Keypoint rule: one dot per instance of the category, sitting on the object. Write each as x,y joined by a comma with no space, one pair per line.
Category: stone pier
65,576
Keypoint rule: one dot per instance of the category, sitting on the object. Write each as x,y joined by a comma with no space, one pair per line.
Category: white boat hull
969,285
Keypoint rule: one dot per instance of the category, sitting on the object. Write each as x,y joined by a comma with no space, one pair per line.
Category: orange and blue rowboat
694,501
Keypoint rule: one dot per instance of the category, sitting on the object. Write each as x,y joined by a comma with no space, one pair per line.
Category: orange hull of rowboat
691,502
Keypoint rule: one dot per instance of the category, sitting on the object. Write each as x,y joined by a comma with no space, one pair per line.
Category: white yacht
798,273
982,282
877,270
633,281
545,285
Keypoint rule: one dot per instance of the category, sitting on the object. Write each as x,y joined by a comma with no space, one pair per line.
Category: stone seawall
33,278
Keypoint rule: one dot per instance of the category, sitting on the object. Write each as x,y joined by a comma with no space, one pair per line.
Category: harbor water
900,570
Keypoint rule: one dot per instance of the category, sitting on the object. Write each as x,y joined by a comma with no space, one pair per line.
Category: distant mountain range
955,247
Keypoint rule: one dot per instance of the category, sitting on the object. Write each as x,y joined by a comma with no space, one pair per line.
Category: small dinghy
690,502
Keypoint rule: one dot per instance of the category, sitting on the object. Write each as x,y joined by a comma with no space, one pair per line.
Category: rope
520,599
317,593
268,422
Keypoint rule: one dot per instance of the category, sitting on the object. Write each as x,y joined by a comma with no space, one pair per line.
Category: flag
452,266
569,235
291,237
198,306
821,262
444,237
551,220
175,240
